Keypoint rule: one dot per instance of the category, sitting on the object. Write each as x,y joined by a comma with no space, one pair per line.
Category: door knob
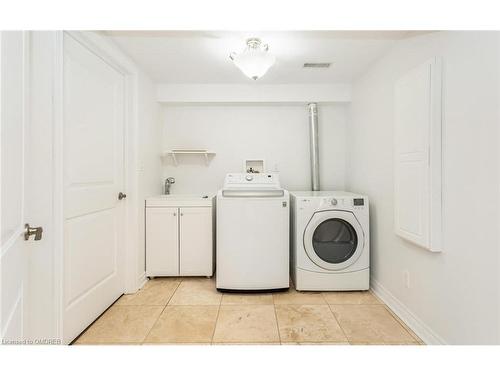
32,231
121,196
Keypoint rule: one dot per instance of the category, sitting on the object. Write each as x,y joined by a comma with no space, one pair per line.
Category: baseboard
141,280
426,334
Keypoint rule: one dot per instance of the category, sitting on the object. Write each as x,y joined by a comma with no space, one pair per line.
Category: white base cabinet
162,241
179,240
195,241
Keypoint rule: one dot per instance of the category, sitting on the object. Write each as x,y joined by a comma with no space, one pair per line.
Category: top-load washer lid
252,185
334,239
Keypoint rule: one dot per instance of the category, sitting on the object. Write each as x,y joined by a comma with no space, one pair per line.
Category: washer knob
333,202
249,178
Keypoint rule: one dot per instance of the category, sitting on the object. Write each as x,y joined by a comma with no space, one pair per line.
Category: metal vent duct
313,145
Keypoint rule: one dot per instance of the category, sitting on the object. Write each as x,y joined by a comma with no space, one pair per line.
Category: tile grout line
216,320
175,291
161,312
342,328
277,323
276,315
324,298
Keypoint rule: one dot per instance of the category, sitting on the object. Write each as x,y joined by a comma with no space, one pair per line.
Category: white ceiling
192,57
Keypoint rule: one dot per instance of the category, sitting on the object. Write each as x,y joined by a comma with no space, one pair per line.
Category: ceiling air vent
317,65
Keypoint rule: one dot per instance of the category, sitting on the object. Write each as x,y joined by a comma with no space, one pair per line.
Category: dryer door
334,239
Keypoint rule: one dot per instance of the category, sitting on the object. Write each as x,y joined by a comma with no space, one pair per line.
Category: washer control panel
252,180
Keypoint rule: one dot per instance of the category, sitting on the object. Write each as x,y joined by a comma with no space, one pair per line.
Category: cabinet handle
182,214
175,213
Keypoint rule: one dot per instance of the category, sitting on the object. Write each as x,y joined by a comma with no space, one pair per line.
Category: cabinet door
417,153
162,241
196,241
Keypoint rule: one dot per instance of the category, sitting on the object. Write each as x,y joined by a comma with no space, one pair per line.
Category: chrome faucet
168,183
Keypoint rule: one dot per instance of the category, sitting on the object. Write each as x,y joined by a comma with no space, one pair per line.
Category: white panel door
13,260
162,241
195,241
93,108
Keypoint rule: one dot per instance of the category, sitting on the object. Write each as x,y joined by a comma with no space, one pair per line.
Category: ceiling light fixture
255,60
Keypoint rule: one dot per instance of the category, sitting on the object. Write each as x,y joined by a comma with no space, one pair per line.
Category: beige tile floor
192,311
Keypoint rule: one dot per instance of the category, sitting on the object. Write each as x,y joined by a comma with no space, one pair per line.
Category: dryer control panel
343,202
358,202
333,202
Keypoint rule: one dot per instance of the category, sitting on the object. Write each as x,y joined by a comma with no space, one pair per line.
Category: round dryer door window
333,239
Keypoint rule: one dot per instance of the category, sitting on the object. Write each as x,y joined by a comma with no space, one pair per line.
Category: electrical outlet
406,275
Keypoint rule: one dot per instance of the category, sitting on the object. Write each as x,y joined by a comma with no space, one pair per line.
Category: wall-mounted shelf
176,152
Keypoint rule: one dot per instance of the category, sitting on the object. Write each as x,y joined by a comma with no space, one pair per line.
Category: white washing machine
330,240
253,222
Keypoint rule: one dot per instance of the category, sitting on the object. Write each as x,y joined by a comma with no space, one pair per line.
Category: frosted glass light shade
255,61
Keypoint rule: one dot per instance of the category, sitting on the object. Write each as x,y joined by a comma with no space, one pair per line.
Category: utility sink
178,200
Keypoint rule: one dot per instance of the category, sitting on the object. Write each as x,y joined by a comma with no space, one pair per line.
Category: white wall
278,133
149,161
254,93
453,295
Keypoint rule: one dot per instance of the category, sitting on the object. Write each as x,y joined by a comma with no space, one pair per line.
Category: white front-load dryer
330,241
